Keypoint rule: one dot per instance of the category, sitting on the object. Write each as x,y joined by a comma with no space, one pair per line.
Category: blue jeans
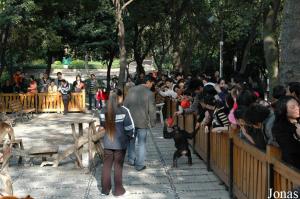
138,159
92,99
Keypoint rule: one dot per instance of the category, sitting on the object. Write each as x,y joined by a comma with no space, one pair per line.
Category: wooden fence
247,171
43,102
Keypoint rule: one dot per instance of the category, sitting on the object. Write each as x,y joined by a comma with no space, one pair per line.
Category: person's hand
197,126
177,113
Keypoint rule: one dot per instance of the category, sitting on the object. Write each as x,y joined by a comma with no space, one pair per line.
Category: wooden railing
219,153
247,171
44,102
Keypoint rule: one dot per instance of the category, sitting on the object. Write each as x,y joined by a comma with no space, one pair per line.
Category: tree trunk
123,62
271,43
248,46
109,65
289,69
3,42
49,62
121,36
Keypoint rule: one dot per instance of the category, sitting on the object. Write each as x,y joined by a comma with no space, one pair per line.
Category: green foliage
57,63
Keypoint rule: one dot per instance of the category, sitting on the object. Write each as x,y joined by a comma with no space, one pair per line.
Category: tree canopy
179,34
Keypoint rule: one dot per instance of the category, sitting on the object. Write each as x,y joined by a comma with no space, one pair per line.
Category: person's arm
152,110
128,123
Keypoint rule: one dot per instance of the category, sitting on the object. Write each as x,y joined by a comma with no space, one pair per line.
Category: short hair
58,73
279,91
149,78
169,80
294,87
256,113
246,98
63,81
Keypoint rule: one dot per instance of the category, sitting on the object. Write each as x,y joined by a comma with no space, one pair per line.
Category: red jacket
100,95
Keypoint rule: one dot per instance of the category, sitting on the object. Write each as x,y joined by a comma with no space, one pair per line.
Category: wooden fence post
208,150
230,163
272,153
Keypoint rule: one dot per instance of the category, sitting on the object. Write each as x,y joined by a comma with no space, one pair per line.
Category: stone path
158,181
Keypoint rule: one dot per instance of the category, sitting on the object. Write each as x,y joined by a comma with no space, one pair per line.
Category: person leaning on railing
52,88
286,129
32,85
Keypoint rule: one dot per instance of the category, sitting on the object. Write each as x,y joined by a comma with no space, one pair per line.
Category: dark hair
240,112
281,108
149,78
93,75
195,84
246,98
58,73
229,101
294,87
210,100
32,77
221,79
169,80
209,90
110,115
279,91
256,113
63,81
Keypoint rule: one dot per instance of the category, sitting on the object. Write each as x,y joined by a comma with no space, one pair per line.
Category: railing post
36,102
230,164
194,133
208,150
272,153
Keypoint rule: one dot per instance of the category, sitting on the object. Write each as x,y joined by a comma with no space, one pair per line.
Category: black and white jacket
124,129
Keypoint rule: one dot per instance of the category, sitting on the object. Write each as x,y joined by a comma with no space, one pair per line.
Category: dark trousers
116,158
65,99
92,97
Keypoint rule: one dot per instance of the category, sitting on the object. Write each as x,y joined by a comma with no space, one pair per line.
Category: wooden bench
42,152
17,109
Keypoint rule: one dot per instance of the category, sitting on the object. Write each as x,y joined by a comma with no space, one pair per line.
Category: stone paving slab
159,180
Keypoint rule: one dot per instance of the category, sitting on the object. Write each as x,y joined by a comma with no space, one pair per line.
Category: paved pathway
158,181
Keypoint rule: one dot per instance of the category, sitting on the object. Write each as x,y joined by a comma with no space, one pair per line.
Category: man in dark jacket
140,101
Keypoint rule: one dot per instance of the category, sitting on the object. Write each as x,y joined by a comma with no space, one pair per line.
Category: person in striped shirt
92,90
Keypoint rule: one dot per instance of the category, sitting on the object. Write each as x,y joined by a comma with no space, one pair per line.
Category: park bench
42,152
17,109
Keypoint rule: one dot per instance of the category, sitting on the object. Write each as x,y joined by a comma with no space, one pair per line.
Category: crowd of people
218,104
21,83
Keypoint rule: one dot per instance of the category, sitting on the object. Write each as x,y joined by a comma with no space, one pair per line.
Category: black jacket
284,133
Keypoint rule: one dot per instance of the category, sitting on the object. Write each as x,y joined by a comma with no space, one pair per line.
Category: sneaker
141,168
104,194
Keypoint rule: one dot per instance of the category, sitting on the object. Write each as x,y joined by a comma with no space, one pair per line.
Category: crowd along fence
248,172
43,102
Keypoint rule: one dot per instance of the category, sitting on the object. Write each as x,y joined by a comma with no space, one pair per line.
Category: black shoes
140,169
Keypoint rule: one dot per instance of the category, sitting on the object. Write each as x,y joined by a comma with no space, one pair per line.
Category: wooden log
81,141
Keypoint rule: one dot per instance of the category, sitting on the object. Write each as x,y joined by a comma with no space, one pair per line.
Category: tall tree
289,69
119,10
271,51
